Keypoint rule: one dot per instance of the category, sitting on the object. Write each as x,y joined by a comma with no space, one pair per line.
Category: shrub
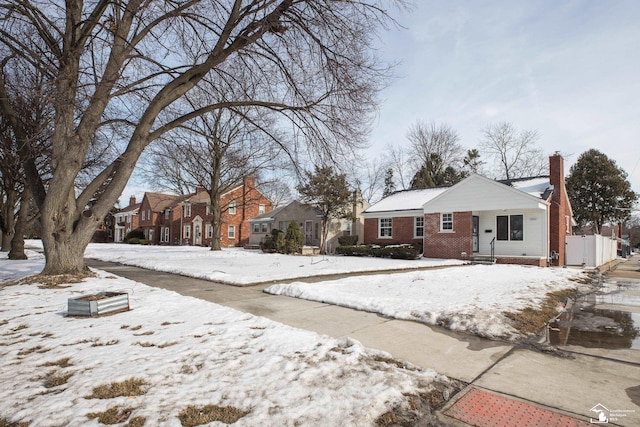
347,240
361,250
294,239
133,241
268,245
279,240
145,241
135,234
391,251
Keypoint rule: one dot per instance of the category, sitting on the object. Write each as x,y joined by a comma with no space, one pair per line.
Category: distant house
239,204
158,213
126,220
520,221
310,221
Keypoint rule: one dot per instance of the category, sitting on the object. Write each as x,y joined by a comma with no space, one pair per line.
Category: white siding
534,243
477,193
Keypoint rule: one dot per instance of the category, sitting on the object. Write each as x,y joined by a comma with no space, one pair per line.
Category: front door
197,231
476,233
308,233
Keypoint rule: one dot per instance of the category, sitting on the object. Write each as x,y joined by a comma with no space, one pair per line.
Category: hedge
391,251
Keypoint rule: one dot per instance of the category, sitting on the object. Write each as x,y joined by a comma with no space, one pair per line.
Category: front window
446,222
346,228
510,227
256,228
418,226
263,228
187,231
384,227
231,232
165,234
209,231
187,210
232,207
261,209
167,214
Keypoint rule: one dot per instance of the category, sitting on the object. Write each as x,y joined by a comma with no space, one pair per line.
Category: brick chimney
560,210
132,200
249,182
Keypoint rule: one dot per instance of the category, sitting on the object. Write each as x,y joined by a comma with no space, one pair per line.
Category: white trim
389,227
415,227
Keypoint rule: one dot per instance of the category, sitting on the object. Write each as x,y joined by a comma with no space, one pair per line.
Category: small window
231,232
208,209
143,215
346,228
256,228
261,209
446,222
502,224
385,226
418,226
187,231
263,228
187,210
165,234
209,231
232,207
167,214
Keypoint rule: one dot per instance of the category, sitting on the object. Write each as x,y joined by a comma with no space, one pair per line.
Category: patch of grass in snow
418,409
530,319
129,387
144,333
144,344
6,423
167,344
62,363
98,343
59,281
193,415
3,322
113,415
56,380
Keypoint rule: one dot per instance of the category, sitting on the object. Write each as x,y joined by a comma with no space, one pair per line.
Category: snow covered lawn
241,266
470,298
183,352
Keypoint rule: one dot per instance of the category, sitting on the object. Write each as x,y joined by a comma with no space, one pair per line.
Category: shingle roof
406,200
161,201
538,186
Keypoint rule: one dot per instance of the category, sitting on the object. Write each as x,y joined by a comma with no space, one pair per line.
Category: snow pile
188,352
241,266
471,298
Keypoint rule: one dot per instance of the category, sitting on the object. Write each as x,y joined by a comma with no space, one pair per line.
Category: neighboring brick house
158,212
126,220
520,221
239,205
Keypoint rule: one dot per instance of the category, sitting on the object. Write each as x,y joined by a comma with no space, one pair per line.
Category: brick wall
522,261
402,231
559,209
439,244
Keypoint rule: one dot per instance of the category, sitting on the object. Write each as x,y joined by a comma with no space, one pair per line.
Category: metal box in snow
98,304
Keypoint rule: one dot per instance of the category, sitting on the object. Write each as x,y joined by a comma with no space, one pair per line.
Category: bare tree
368,177
429,139
123,67
400,164
514,153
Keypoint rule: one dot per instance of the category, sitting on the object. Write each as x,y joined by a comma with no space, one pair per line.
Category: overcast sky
570,69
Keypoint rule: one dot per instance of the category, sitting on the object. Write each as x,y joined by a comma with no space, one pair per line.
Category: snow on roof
537,186
406,200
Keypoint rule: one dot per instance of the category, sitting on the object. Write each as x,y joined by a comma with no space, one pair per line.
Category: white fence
591,251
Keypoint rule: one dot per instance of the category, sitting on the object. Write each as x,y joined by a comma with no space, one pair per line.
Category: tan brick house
520,221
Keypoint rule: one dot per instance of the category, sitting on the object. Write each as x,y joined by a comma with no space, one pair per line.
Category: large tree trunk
17,243
8,220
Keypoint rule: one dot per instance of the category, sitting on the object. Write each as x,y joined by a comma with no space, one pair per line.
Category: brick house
193,220
157,214
520,221
126,220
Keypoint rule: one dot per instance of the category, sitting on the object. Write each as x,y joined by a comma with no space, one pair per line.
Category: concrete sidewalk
563,385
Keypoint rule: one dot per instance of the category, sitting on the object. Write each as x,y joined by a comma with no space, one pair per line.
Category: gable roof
477,193
131,208
160,201
405,200
273,214
539,186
